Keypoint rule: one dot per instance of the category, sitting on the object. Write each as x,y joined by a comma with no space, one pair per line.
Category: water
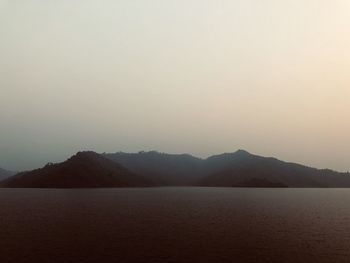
175,225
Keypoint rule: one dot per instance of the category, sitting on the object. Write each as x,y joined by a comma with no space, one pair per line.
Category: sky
186,76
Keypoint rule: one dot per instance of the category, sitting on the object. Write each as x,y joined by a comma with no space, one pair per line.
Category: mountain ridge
82,170
236,169
229,169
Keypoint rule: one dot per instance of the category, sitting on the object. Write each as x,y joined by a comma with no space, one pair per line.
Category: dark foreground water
175,225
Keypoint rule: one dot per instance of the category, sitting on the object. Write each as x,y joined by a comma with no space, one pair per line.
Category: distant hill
5,174
238,169
83,170
234,169
162,168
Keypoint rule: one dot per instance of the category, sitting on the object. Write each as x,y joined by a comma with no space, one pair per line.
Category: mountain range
238,169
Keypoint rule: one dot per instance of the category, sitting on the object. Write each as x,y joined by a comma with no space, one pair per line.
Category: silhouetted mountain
229,170
234,169
5,174
164,169
83,170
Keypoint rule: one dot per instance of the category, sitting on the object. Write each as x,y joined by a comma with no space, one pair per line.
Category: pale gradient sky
195,76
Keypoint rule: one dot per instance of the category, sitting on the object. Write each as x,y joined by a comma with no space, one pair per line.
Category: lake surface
179,224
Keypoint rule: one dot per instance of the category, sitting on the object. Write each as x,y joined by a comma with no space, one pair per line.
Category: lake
175,224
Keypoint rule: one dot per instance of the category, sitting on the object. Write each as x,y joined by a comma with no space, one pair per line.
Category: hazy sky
196,76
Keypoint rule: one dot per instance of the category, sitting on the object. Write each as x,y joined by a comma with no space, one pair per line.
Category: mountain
83,170
162,168
5,174
236,169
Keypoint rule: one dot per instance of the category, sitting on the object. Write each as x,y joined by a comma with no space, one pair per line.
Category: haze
194,76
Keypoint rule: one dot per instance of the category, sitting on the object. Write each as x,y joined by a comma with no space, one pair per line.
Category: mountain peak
85,155
242,152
